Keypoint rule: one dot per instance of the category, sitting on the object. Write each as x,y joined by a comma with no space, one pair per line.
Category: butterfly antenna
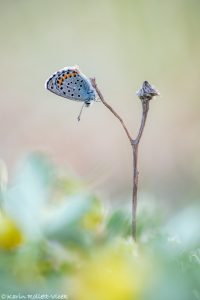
79,116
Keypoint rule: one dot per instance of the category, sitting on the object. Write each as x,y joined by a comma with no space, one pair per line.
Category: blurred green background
121,43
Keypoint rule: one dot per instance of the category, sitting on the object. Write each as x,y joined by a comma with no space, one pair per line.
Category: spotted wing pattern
70,83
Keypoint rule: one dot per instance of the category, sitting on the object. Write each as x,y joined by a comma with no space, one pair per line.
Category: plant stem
135,188
135,144
145,94
93,81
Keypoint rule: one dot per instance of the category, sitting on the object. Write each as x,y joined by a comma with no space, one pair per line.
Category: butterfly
72,84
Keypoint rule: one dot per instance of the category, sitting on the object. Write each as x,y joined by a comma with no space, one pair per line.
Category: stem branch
93,81
145,94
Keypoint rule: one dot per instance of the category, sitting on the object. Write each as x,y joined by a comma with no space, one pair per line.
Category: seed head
147,91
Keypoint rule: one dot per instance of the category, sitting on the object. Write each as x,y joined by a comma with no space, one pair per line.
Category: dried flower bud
147,91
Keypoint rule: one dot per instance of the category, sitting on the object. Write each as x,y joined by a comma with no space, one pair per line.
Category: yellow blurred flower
10,235
110,276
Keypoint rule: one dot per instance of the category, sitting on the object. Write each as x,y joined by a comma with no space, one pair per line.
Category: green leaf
27,198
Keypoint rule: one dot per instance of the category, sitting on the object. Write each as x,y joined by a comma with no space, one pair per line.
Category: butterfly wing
70,83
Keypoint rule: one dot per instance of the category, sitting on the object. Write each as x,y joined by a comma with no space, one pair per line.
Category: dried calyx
147,91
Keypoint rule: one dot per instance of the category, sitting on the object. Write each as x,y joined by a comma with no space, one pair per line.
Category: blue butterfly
70,83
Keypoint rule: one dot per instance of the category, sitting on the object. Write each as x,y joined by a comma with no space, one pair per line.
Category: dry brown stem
146,93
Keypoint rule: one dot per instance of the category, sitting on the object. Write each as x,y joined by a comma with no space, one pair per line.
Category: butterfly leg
79,116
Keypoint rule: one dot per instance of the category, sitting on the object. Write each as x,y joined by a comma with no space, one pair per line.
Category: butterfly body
70,83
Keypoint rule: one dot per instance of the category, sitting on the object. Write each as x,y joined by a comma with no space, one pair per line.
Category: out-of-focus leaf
149,219
27,198
185,227
67,222
119,223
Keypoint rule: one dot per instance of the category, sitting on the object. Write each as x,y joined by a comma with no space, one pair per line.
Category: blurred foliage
55,236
